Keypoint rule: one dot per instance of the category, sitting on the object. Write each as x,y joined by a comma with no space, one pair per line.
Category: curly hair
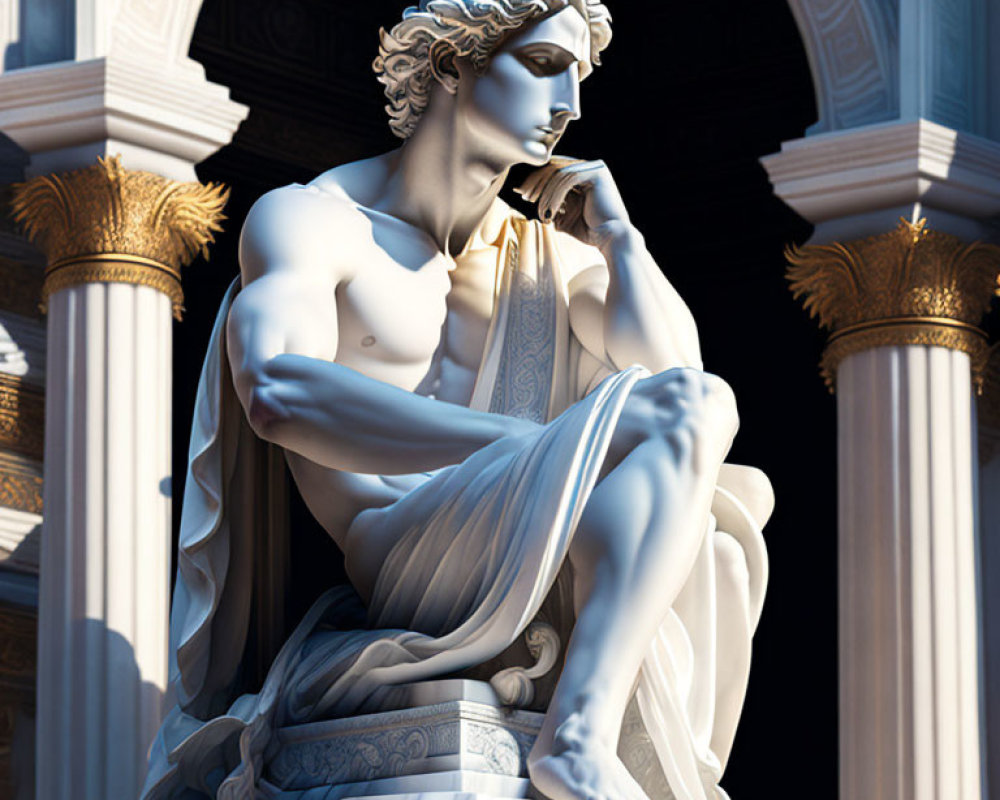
436,32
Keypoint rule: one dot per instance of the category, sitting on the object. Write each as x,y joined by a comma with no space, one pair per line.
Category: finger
554,195
532,183
565,161
531,187
540,190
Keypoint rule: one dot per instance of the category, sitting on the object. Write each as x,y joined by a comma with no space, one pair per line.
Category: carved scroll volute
911,286
106,224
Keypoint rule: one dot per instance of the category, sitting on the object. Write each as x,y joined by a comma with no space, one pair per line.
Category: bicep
288,263
279,314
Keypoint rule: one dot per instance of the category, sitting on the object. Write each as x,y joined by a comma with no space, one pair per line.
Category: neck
438,182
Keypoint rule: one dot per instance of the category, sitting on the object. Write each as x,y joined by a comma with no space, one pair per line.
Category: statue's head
525,54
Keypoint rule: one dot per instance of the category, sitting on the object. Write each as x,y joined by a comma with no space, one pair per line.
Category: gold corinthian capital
106,224
911,286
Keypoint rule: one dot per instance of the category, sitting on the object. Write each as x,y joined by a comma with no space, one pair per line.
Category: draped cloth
478,547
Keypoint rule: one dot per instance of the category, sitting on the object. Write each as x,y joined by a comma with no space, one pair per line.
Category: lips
549,136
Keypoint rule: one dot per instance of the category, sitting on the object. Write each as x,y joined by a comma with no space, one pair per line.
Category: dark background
689,97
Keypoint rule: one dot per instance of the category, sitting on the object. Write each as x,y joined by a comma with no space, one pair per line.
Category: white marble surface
123,85
104,577
22,347
443,736
858,182
20,537
456,735
909,636
387,286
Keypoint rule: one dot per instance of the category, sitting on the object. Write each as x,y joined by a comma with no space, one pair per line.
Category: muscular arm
623,311
282,335
628,313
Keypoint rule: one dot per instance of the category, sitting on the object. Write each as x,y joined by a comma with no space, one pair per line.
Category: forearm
341,419
645,320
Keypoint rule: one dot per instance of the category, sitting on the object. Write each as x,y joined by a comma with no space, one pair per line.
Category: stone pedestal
447,739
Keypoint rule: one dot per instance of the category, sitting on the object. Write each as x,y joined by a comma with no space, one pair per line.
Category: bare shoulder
298,230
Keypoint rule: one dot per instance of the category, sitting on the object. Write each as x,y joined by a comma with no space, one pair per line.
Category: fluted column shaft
909,636
115,241
104,577
905,358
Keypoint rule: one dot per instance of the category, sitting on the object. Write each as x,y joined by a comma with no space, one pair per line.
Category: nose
566,105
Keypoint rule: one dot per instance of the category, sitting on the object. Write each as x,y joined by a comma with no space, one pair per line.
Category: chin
537,154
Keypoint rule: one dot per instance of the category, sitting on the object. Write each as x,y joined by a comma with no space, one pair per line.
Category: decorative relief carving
18,634
22,417
911,286
952,68
20,288
853,46
20,483
403,742
108,224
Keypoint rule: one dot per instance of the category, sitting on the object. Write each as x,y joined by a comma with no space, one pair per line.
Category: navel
368,341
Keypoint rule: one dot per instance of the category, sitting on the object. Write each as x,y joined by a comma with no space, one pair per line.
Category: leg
637,541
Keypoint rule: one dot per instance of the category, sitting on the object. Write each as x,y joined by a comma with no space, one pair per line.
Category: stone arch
854,56
154,28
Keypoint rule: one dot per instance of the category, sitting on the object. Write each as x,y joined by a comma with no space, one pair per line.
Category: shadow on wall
13,160
112,668
46,34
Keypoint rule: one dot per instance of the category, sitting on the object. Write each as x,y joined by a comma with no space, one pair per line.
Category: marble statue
474,405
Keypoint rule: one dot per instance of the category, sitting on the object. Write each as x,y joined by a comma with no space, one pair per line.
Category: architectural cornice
846,173
164,121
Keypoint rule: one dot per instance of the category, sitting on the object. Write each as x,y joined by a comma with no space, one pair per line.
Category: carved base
445,739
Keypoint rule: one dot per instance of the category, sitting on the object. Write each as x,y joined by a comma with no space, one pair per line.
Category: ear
441,57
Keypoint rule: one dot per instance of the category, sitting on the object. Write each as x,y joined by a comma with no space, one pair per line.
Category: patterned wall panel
854,52
953,63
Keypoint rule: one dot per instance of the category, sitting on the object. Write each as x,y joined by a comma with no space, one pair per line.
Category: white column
104,576
909,640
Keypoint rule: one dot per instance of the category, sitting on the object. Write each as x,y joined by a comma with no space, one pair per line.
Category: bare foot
578,767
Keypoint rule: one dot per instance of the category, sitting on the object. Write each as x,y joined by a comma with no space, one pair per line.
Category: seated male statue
472,404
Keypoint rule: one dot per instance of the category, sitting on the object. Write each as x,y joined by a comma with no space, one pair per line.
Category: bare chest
412,317
391,315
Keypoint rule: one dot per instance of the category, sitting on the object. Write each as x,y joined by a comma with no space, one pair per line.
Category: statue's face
520,107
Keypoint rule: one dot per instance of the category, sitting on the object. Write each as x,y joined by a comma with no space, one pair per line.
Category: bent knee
721,402
706,401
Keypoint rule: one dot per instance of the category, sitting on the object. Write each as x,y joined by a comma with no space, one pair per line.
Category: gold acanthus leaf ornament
105,223
910,286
